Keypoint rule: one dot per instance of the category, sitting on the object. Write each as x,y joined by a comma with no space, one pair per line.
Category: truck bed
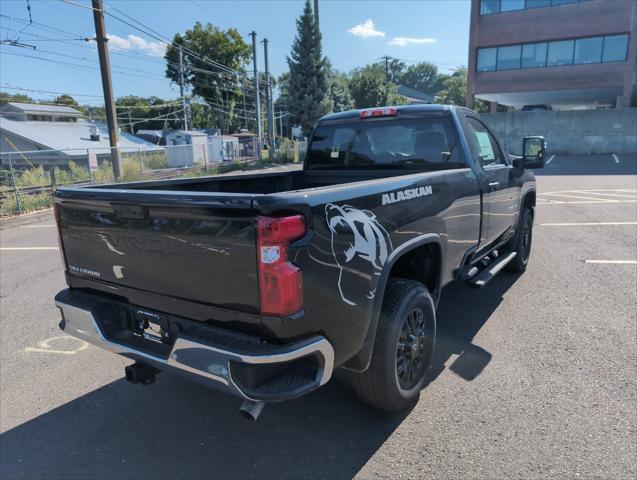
190,240
260,183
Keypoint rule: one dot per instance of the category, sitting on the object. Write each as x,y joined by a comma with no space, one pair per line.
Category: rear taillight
56,212
280,281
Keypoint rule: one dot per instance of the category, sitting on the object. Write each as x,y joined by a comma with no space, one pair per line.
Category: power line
167,41
5,85
209,12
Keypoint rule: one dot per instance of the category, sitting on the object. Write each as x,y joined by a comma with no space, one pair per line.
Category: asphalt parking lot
534,375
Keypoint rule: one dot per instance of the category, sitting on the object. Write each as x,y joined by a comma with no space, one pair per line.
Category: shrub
28,203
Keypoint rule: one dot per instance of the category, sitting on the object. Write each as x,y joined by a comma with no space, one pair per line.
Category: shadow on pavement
462,312
178,429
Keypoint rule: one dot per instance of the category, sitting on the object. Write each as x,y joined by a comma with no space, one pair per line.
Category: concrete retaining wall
571,132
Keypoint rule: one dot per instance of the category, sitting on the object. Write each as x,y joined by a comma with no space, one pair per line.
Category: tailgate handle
134,212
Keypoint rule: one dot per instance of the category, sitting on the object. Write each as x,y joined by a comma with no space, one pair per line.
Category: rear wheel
403,348
523,243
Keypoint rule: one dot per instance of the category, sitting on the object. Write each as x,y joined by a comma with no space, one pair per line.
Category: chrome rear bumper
200,359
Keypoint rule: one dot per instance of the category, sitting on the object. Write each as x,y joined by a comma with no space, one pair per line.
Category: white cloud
118,43
156,49
366,29
133,42
404,41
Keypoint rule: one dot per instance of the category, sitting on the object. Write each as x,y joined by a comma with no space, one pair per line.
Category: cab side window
483,145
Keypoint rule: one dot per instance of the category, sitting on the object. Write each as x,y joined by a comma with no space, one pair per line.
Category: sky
355,33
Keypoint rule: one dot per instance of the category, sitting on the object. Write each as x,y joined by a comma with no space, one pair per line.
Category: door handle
494,185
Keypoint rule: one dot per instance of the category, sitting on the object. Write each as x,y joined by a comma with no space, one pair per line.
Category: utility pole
181,87
256,93
316,13
107,85
386,58
268,99
245,112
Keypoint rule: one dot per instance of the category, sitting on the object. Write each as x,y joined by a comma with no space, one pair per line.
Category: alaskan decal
358,242
408,194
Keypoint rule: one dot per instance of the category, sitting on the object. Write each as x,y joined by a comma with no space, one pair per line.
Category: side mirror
533,149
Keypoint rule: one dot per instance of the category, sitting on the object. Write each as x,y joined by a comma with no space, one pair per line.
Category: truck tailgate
193,246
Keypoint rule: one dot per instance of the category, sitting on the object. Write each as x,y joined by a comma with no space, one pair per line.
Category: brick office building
553,52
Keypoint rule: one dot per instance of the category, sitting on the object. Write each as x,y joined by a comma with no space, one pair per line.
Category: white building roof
69,136
40,108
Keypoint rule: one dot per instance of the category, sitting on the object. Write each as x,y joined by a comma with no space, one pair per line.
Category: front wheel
403,348
523,243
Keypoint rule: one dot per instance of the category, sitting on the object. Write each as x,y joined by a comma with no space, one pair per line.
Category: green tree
454,88
339,92
369,88
66,100
131,106
14,97
421,76
393,67
219,86
308,97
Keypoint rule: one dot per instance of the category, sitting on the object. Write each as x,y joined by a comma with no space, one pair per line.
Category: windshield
409,143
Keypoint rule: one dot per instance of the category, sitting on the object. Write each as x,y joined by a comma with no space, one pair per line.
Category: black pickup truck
263,284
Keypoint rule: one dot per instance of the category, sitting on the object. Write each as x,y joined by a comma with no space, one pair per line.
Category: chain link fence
29,178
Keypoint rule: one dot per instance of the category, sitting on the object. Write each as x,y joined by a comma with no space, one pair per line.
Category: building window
486,59
534,55
588,50
615,48
509,57
611,48
488,7
511,5
560,53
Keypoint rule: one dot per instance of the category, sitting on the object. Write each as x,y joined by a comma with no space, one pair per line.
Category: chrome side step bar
485,276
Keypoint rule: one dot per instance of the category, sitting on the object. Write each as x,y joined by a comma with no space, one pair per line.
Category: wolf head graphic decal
359,244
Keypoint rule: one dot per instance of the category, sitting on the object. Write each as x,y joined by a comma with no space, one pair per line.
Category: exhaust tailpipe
251,410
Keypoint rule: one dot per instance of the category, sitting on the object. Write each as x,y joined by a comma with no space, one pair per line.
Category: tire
407,306
523,243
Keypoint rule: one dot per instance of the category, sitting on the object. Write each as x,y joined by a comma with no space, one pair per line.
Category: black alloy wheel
412,350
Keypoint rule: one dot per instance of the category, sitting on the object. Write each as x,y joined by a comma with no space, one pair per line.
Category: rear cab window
423,142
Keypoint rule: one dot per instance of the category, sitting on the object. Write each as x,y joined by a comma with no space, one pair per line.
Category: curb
27,218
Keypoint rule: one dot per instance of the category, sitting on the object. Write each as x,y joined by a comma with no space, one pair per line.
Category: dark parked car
263,284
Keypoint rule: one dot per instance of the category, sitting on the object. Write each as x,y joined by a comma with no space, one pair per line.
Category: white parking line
550,159
615,157
593,190
616,262
27,248
585,224
579,197
562,202
625,195
38,226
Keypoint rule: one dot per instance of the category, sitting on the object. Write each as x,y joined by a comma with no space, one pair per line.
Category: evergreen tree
308,97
